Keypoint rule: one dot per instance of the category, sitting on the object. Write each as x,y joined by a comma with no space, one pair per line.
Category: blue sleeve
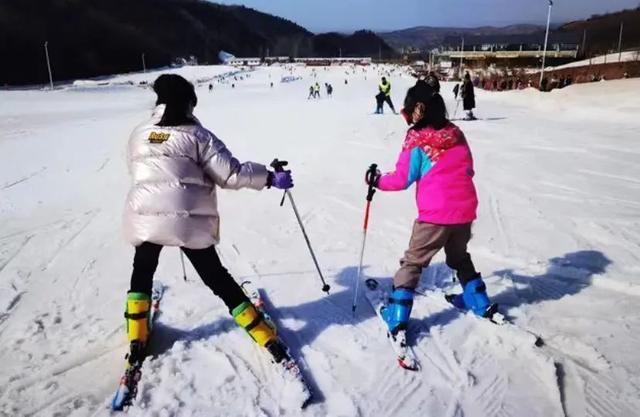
419,165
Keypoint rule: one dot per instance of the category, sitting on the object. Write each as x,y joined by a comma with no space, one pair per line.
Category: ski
287,366
493,316
377,297
128,386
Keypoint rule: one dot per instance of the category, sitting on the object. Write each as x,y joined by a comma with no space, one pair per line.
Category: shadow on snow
565,275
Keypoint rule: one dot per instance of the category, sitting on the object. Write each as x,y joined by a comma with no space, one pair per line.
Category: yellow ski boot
138,317
260,330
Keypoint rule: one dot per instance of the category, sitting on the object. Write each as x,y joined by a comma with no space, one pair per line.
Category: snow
195,73
557,239
601,59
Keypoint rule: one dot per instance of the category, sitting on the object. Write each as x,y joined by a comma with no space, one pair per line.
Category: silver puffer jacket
175,172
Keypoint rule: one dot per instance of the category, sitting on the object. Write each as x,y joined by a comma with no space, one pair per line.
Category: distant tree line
88,38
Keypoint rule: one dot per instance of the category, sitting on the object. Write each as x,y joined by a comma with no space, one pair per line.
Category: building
334,61
277,59
245,62
509,50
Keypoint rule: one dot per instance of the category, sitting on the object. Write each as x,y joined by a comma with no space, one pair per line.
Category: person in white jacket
176,165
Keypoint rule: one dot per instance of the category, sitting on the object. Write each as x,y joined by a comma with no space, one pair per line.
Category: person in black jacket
468,97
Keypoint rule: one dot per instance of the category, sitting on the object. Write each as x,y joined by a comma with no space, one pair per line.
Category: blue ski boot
397,313
474,297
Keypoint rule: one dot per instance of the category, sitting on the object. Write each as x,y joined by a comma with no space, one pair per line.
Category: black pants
382,98
205,261
387,100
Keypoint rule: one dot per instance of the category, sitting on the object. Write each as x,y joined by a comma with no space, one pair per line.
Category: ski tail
128,386
378,299
288,366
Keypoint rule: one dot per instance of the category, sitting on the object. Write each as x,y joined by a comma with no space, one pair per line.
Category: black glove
371,178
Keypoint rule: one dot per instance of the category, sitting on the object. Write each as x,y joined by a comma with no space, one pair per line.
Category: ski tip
117,403
408,366
307,402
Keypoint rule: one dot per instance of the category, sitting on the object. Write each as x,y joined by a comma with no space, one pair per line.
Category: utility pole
461,58
144,65
584,43
46,51
620,42
340,52
546,39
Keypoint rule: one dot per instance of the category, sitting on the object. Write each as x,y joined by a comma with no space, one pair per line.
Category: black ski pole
184,271
278,166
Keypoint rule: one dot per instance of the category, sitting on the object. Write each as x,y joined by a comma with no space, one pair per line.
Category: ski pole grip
278,166
371,174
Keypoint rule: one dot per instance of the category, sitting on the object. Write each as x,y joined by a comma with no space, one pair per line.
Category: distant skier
543,84
311,92
468,97
210,87
316,90
176,167
384,96
435,155
329,90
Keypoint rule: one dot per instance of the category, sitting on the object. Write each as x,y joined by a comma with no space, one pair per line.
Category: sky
381,15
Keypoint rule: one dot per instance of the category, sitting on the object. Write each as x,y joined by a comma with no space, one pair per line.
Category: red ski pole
371,173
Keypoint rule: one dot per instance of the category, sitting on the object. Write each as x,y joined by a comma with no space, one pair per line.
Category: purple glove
281,180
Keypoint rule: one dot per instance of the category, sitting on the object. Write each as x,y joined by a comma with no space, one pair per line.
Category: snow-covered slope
195,74
557,238
601,59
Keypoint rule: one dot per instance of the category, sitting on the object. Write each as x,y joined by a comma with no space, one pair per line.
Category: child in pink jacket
435,155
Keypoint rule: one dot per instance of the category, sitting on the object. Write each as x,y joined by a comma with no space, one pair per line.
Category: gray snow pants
426,240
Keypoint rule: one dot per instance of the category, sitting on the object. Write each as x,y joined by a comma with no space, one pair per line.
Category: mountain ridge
601,30
90,38
428,37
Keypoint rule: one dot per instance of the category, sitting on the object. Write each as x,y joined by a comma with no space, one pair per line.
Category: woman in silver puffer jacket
176,165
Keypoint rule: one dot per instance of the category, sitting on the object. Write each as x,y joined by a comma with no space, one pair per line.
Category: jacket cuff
259,177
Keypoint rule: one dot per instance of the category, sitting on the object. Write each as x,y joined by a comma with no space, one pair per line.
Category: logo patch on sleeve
158,137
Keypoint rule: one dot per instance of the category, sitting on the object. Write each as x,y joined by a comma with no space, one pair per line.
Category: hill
88,38
557,240
602,31
360,43
427,37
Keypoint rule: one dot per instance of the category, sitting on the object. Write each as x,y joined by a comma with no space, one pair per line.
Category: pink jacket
440,162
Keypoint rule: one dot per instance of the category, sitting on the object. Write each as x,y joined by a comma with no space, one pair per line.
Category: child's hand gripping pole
372,172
